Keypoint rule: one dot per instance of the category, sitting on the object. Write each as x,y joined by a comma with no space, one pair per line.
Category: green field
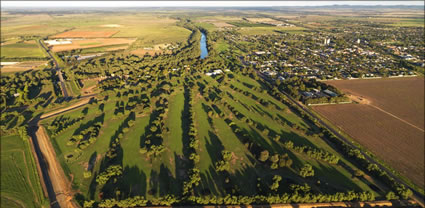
20,185
22,50
409,23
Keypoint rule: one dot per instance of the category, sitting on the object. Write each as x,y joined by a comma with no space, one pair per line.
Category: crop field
20,185
399,96
215,122
23,66
27,49
390,125
149,29
395,142
85,34
92,43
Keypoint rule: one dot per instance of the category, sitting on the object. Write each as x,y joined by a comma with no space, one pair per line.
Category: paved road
62,82
418,197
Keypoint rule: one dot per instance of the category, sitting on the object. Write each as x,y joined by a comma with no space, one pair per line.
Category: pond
204,51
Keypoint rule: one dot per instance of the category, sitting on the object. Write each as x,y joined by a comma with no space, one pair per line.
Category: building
330,93
58,42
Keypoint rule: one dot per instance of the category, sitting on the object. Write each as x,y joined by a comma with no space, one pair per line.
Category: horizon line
171,4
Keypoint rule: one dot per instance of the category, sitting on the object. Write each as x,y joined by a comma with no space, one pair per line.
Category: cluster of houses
314,61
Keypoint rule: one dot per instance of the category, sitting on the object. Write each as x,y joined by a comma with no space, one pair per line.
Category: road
418,197
58,187
59,182
58,69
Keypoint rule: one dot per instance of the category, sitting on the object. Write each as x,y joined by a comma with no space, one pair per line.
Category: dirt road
60,184
71,107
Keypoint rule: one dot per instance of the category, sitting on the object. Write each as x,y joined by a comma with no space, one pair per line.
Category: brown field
403,97
389,122
85,34
22,66
92,43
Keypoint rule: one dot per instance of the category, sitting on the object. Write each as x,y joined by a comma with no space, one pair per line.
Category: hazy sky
195,3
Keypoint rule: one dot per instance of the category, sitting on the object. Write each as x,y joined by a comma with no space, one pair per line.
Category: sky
196,3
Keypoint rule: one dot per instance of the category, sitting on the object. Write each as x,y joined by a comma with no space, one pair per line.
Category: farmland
20,185
92,43
391,124
22,50
23,66
399,96
85,34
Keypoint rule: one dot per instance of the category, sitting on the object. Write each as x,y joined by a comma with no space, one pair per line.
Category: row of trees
153,136
296,197
60,124
194,176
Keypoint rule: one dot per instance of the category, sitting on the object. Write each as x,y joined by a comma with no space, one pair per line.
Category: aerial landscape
111,104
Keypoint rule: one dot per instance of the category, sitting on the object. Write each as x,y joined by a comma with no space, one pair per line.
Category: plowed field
390,124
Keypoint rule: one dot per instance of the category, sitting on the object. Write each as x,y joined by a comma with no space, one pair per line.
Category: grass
174,122
221,46
22,50
154,177
20,184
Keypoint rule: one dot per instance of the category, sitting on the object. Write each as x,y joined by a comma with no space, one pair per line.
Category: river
204,50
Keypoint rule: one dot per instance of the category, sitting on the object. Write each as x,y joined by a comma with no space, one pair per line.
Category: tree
88,204
276,180
306,171
264,156
391,196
